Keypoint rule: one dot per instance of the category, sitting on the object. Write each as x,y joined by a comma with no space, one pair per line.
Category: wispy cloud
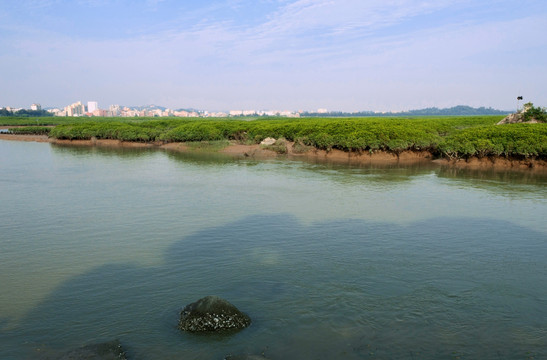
320,26
345,54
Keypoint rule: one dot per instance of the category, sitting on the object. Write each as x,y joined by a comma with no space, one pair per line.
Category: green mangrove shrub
30,130
444,136
536,113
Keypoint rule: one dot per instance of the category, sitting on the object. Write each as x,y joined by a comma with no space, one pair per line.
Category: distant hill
433,111
458,110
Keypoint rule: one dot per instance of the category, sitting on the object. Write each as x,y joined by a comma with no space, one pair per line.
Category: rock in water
246,357
212,314
106,351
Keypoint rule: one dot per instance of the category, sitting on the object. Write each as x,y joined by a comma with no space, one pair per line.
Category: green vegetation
535,113
24,113
280,146
60,120
208,146
454,137
506,140
460,110
300,148
30,130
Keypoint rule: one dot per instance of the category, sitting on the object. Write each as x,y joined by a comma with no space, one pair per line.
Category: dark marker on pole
518,99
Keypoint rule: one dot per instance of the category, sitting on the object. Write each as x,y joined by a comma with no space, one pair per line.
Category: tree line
460,110
25,113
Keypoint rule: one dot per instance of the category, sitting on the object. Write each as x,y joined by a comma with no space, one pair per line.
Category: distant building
76,109
92,106
57,112
36,107
114,110
181,113
100,112
218,114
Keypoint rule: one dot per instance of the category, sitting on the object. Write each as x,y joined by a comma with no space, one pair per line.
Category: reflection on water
331,261
486,179
502,182
102,151
497,175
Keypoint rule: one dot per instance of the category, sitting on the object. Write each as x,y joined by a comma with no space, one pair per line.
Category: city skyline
92,109
345,55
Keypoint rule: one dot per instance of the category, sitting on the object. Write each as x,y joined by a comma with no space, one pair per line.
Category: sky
220,55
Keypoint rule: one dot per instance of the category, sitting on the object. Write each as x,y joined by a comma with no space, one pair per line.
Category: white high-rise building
92,106
76,109
114,110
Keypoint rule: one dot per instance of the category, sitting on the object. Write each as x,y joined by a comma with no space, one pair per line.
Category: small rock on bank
268,141
212,314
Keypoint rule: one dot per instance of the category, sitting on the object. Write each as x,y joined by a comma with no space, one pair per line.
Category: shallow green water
330,261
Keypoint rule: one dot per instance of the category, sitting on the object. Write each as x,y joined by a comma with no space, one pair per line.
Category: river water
331,261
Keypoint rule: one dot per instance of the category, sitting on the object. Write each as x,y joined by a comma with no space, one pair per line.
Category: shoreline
256,151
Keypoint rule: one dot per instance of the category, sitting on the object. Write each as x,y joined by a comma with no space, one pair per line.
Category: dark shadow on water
443,288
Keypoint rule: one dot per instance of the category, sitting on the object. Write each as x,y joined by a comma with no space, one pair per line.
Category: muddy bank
259,152
37,138
497,162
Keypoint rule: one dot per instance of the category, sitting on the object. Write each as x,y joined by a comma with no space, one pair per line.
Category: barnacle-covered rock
245,357
212,314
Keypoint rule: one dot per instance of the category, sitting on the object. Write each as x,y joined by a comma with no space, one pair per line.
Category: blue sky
347,55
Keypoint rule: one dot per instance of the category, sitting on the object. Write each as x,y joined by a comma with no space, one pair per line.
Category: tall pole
518,102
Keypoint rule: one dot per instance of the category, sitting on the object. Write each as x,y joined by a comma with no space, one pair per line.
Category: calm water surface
330,261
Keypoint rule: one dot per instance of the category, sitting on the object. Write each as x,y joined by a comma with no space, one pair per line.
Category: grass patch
299,147
208,146
280,146
30,130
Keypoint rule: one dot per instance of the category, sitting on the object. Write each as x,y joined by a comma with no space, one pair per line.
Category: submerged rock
105,351
246,357
212,314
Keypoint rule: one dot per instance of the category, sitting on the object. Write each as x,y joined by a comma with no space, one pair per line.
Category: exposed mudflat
37,138
497,162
